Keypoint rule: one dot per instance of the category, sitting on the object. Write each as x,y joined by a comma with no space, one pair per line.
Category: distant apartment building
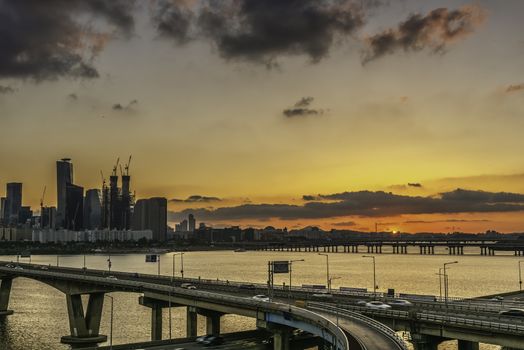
191,222
64,176
3,209
13,203
151,214
74,213
93,210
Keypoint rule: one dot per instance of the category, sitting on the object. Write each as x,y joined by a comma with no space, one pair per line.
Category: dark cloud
308,197
196,199
344,224
433,31
173,20
302,109
5,90
45,40
515,88
125,108
443,221
261,31
369,204
414,184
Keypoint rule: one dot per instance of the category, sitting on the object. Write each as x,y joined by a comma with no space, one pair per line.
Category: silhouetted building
64,176
151,214
74,207
13,203
48,218
115,210
3,208
191,223
125,200
92,210
25,215
183,225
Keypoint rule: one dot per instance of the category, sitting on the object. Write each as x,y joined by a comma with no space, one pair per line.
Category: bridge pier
212,321
84,329
467,345
191,321
156,307
425,342
5,292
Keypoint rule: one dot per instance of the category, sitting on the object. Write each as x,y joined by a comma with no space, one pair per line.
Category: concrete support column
424,342
95,306
467,345
191,323
156,322
84,329
281,340
213,324
5,292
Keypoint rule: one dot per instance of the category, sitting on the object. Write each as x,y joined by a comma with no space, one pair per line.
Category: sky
335,113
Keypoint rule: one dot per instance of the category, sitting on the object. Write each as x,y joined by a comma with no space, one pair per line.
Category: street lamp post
111,324
374,274
109,263
520,274
446,286
290,269
182,265
440,282
327,270
57,260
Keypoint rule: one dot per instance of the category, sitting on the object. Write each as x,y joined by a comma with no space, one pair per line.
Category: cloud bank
367,204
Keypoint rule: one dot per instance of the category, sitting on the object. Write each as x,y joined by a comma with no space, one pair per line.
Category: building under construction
117,202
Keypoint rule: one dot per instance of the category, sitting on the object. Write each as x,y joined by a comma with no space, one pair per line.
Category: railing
371,323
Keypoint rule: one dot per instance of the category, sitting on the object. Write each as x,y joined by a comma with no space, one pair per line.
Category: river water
40,317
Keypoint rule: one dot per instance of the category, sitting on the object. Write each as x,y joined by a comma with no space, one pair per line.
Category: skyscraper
3,208
191,223
64,176
13,203
74,207
151,214
93,210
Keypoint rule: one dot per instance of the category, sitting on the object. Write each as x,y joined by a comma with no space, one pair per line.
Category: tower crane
126,167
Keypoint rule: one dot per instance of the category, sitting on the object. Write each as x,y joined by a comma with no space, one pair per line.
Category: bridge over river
333,317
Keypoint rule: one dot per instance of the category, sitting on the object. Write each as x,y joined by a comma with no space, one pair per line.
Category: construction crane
126,167
103,179
116,166
121,171
42,199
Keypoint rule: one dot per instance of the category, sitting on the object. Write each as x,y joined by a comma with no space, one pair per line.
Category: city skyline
213,122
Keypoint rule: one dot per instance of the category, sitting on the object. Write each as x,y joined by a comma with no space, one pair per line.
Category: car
111,278
188,286
377,305
323,295
260,297
497,298
43,267
213,340
400,303
361,303
10,265
202,338
19,268
512,312
247,286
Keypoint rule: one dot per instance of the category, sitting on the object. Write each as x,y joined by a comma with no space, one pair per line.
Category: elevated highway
157,294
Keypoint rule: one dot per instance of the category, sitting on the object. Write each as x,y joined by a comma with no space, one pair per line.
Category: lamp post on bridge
172,282
110,324
446,285
290,269
520,274
440,282
374,274
327,270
